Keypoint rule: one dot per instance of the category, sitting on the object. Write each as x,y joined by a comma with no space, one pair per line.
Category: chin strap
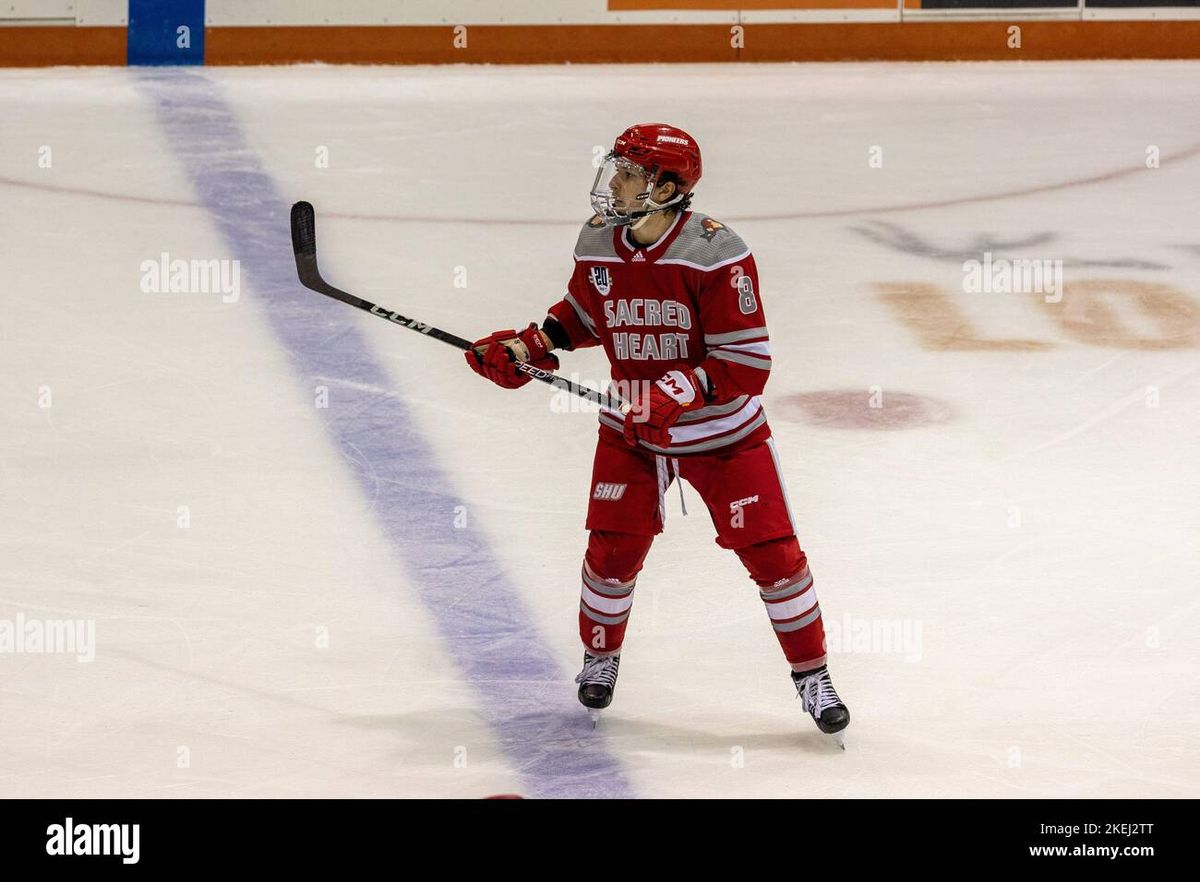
653,208
679,203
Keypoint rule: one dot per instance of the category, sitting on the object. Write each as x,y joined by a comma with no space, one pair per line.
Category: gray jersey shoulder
595,240
705,242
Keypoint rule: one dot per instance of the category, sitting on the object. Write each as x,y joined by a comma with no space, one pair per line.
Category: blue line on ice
523,693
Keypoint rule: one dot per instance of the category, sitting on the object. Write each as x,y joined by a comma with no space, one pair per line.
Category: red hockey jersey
691,298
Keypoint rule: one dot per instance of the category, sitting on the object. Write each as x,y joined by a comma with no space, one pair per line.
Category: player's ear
664,191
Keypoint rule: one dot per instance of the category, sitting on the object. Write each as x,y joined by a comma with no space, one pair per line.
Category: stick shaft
304,245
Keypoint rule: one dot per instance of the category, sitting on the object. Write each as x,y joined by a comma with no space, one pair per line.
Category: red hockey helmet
656,151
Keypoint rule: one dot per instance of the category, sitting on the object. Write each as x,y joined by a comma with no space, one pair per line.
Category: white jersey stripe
757,418
760,347
734,336
688,432
754,361
714,410
691,431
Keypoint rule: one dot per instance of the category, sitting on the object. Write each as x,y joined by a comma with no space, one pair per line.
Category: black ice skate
597,681
815,690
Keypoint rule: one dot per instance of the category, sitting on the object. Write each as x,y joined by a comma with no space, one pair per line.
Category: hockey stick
304,245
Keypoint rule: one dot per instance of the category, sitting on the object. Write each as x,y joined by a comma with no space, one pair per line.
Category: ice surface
322,558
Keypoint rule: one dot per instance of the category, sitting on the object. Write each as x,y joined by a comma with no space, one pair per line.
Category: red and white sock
603,612
792,607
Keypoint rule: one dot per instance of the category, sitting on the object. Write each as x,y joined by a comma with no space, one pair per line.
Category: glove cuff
682,387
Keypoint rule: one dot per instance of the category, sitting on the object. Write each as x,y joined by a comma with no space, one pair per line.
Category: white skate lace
817,693
598,669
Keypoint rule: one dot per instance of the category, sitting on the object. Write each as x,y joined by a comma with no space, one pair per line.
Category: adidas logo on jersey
610,492
639,257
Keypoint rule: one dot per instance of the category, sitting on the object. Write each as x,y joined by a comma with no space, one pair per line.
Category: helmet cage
604,201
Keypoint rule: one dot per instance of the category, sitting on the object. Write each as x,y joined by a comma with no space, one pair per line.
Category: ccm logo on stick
401,320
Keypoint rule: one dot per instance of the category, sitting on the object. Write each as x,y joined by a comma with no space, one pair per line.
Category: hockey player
673,297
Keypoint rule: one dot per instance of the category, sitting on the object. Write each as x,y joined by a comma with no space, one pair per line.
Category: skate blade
839,738
595,715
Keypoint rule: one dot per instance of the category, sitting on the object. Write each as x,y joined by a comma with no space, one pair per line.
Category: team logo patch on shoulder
602,280
710,228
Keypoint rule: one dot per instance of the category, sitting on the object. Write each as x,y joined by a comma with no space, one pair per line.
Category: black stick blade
304,230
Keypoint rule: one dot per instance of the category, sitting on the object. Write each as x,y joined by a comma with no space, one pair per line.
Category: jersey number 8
745,288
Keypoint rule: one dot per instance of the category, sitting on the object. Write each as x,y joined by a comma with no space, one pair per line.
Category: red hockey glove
496,356
650,419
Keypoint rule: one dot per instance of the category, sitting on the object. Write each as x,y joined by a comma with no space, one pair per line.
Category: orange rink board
45,46
551,44
632,43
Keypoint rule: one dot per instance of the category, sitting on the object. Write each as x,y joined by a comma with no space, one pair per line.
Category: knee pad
612,555
774,560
